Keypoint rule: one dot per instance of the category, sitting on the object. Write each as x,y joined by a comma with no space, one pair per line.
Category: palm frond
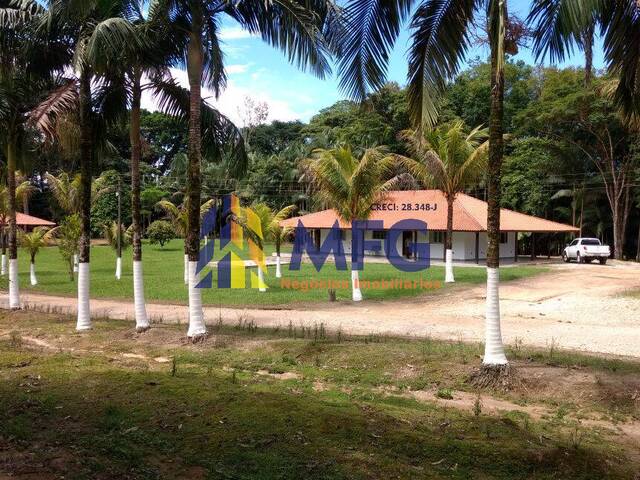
66,191
557,27
62,100
440,40
293,26
370,30
620,22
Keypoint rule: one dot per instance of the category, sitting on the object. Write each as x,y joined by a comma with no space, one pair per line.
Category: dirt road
581,307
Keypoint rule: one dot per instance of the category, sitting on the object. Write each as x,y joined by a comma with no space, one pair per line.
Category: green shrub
160,232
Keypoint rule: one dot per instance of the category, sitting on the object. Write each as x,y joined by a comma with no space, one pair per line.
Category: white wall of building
464,244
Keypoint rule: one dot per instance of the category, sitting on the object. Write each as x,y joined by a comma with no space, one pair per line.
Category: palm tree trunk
3,239
448,253
278,266
140,309
32,271
14,291
197,328
587,39
84,245
261,285
494,350
356,293
119,232
638,247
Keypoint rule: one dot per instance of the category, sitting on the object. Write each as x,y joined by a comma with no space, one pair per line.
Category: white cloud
233,97
238,68
234,33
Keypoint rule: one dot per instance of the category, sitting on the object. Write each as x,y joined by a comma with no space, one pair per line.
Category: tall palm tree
440,39
147,69
94,30
351,186
27,68
32,242
292,26
451,160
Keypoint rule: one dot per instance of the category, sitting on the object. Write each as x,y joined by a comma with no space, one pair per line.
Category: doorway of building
407,244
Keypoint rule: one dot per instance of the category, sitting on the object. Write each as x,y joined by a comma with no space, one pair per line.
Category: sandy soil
580,307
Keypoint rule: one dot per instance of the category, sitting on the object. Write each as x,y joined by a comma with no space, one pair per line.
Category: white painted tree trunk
278,267
118,268
493,349
140,309
3,268
197,327
32,274
448,267
355,286
186,269
75,263
84,311
14,286
261,285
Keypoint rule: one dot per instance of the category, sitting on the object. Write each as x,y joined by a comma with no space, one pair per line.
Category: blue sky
263,73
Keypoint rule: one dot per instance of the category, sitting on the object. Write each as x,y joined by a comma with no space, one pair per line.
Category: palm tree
32,242
111,232
27,68
451,160
294,27
280,234
67,235
127,72
66,191
23,191
351,186
179,218
272,230
440,39
558,25
95,31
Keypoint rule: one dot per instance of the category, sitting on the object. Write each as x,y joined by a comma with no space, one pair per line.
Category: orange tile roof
430,206
24,220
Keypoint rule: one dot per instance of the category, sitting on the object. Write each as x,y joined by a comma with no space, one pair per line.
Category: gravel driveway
580,307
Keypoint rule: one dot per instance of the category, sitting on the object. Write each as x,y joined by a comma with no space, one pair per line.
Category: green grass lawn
163,270
260,404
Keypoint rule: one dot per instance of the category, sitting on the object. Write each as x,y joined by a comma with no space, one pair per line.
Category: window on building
436,237
379,234
504,237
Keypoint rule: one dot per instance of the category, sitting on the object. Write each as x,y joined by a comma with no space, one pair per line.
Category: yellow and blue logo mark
238,224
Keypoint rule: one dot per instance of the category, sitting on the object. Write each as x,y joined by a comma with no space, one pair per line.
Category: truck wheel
565,257
603,261
579,258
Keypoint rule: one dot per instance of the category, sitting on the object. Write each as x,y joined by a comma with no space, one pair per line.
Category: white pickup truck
584,250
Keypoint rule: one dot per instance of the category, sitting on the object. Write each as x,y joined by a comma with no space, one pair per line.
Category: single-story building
430,206
26,222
